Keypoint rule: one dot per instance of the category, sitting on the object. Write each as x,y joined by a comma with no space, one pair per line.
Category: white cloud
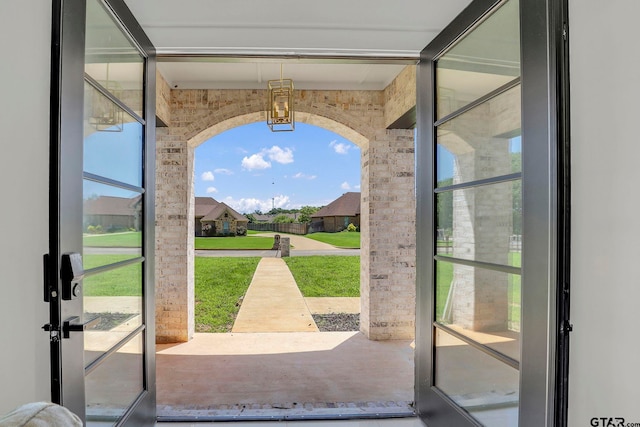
339,147
279,155
223,171
301,175
255,162
211,190
207,176
357,187
252,204
345,186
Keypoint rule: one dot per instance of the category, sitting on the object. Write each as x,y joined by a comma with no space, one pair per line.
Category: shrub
282,219
241,231
352,227
91,229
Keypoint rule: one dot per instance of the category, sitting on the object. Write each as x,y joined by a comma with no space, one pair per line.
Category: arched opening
380,152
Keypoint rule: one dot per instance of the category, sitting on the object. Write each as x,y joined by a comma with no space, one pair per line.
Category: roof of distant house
219,210
204,205
346,205
109,205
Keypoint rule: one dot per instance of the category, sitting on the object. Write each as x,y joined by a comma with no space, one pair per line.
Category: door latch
71,274
54,332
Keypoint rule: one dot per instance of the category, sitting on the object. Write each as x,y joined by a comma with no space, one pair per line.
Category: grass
220,283
240,242
123,281
343,239
326,276
131,239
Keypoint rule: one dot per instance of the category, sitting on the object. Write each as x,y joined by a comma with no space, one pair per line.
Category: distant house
213,218
337,215
113,213
203,205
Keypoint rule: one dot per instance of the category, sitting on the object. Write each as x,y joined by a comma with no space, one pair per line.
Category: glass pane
482,143
115,297
112,221
481,304
481,62
113,386
482,385
112,59
481,223
112,140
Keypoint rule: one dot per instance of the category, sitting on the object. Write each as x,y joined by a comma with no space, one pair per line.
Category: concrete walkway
302,243
273,302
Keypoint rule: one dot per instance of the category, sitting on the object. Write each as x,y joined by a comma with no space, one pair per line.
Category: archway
387,200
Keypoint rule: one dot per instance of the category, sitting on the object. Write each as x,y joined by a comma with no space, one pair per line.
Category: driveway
302,246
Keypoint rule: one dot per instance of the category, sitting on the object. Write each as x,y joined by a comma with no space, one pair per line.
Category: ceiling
330,44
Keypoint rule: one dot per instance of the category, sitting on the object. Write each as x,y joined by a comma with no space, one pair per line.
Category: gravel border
337,322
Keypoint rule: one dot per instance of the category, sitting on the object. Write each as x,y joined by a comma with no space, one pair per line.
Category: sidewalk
273,302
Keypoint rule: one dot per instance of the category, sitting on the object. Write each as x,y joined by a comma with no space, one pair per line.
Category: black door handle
72,325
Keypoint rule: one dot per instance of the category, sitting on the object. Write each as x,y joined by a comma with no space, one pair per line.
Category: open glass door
489,219
102,214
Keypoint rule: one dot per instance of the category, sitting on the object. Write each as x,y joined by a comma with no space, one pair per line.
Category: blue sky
251,168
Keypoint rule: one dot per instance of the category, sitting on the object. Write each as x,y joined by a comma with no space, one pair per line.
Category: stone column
482,220
387,270
174,268
285,247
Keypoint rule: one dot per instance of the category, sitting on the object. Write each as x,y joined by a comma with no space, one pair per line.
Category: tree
282,219
306,212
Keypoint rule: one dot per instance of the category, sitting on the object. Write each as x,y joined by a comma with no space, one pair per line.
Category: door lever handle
72,325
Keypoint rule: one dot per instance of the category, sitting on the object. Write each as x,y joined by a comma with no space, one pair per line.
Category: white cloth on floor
40,414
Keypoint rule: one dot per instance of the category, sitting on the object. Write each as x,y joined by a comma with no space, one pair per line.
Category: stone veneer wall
163,99
400,95
388,255
388,238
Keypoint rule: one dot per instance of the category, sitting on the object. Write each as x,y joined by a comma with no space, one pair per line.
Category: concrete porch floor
298,374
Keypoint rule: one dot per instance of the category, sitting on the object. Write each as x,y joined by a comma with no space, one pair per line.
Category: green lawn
239,242
132,239
326,276
220,283
123,281
343,239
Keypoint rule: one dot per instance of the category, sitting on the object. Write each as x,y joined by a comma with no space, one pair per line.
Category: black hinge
565,31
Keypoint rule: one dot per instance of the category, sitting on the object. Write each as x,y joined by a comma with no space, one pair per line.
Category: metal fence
290,228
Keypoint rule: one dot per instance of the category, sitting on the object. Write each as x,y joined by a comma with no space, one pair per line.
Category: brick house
113,213
203,206
215,218
337,215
